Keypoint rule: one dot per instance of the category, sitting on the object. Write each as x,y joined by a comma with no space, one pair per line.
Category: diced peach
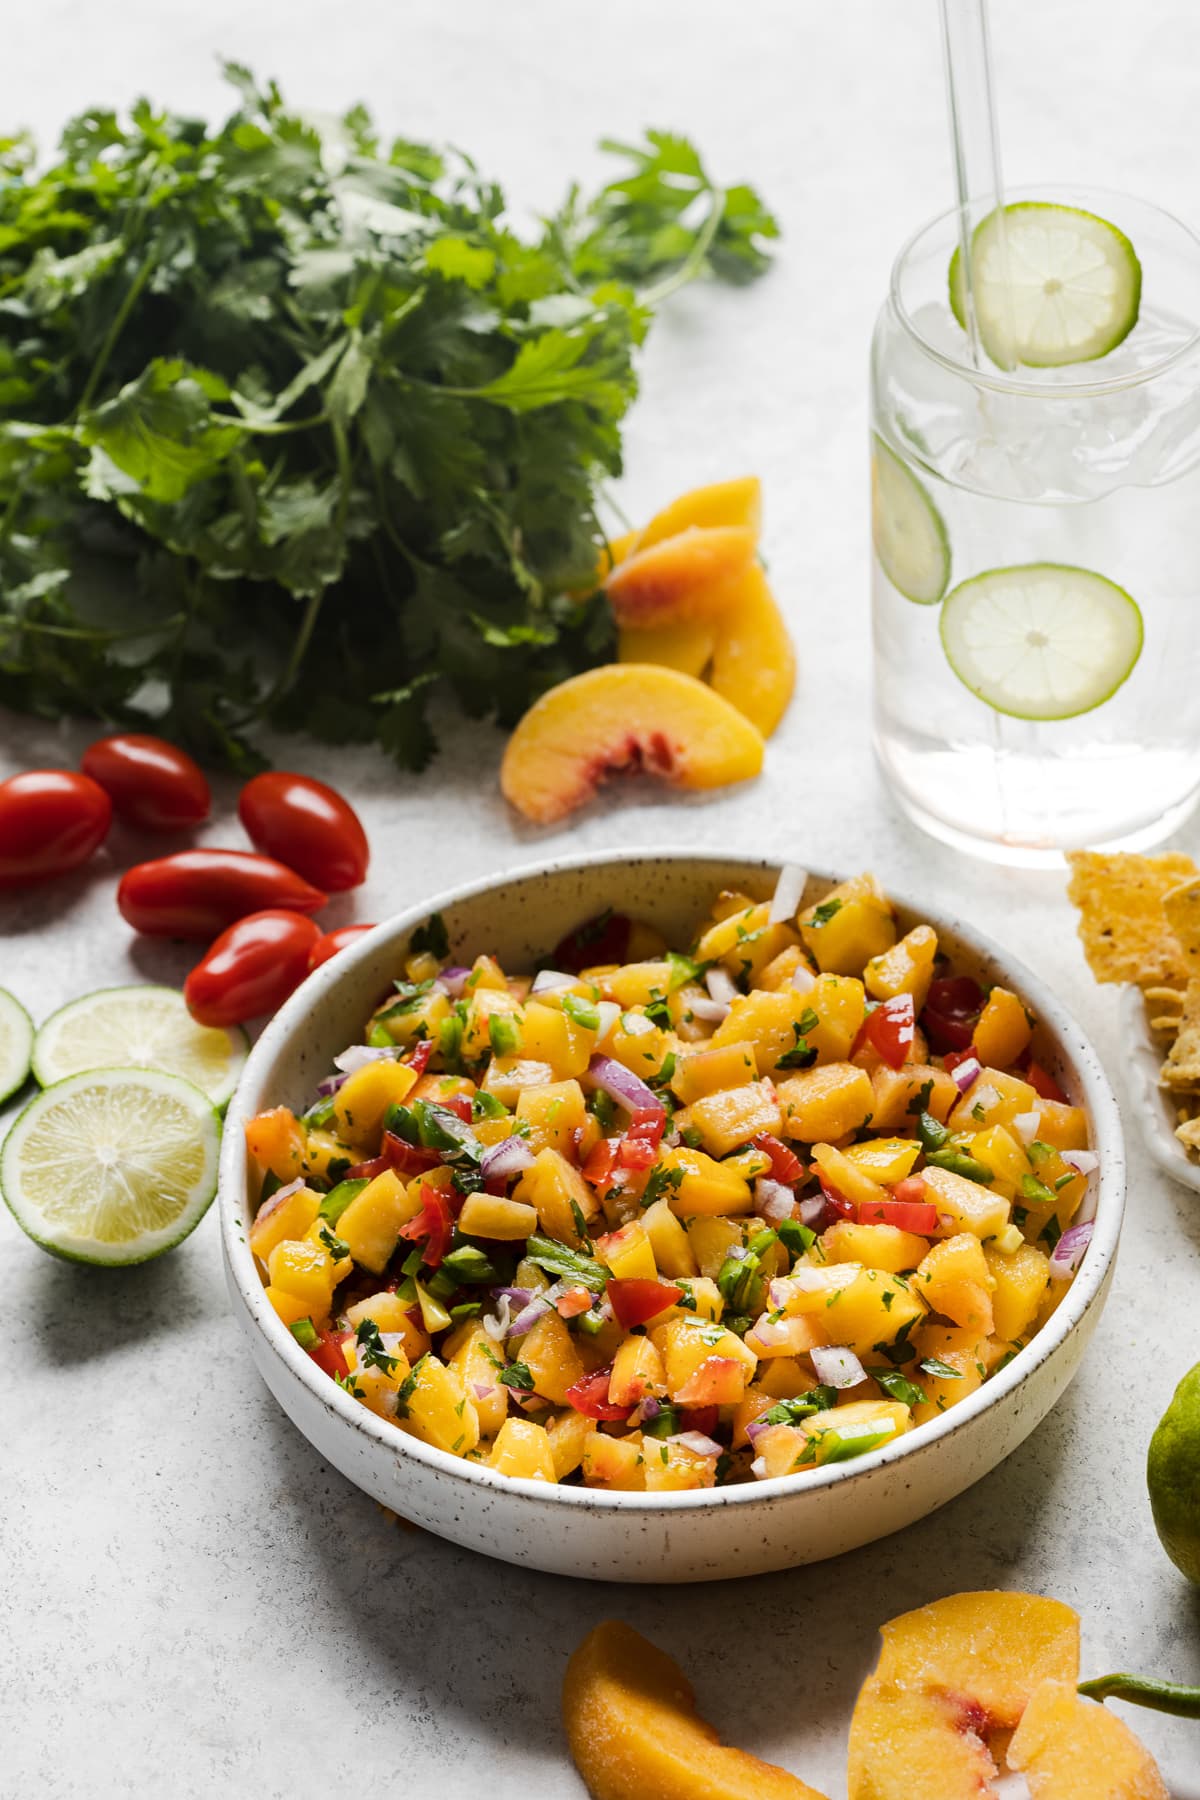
549,1353
907,968
612,1462
290,1308
736,502
850,927
275,1139
472,1355
637,1371
392,1317
283,1216
370,1225
624,717
705,1186
556,1191
709,1071
681,576
785,1377
964,1351
522,1450
507,1077
993,1098
628,1252
685,1346
438,1410
845,1177
683,644
840,1003
567,1433
364,1097
1070,1748
550,1035
711,1237
954,1279
1063,1126
885,1160
896,1090
734,1116
875,1246
1003,1030
673,1254
792,1336
305,1271
825,1103
964,1205
753,664
717,1381
744,941
495,1216
1021,1278
871,1310
668,1465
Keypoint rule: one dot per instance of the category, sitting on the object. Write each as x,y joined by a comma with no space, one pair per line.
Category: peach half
634,1732
618,719
681,577
1069,1748
753,664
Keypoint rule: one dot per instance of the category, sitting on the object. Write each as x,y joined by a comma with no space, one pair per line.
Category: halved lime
1073,290
112,1166
139,1028
910,539
16,1043
1042,640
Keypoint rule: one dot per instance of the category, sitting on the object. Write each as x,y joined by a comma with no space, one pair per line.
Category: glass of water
1036,532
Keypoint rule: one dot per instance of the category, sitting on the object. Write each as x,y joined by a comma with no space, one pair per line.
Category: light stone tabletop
194,1603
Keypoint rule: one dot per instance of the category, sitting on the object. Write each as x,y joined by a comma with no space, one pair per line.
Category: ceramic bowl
693,1536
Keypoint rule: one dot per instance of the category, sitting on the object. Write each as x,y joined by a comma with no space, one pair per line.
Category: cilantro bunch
297,428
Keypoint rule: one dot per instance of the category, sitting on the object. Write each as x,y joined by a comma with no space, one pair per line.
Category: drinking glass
1036,566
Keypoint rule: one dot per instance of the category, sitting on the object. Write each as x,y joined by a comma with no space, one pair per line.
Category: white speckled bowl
696,1536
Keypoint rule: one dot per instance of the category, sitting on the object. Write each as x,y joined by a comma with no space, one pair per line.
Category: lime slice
1073,290
16,1043
113,1166
910,539
139,1028
1041,641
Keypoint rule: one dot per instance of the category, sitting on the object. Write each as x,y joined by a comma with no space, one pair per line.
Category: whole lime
1173,1476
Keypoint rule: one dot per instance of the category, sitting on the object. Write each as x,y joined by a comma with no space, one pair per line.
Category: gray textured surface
193,1602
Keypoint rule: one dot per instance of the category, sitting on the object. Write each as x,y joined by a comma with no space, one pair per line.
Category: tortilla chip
1182,1067
1122,925
1182,908
1189,1134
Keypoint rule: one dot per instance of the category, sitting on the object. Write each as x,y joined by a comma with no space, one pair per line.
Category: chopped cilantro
336,1248
371,1353
898,1387
1051,1232
824,912
941,1371
920,1100
517,1375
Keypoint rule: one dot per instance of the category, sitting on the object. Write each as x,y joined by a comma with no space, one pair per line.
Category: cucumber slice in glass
910,538
140,1027
1073,292
1041,640
114,1166
16,1044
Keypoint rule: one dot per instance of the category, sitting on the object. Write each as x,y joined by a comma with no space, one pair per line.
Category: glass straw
975,148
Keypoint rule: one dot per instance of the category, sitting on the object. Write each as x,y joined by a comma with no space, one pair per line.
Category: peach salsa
656,1219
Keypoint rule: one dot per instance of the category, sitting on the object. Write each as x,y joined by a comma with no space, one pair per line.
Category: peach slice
634,1732
737,502
907,1744
753,663
681,577
618,718
991,1648
684,644
1069,1748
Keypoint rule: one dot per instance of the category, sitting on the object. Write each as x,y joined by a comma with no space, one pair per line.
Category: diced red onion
454,980
836,1367
546,979
357,1056
518,1296
773,1200
967,1073
529,1315
1085,1161
789,891
770,1332
636,1024
278,1197
609,1012
756,1427
650,1407
622,1085
812,1210
803,979
508,1157
483,1390
945,1220
1027,1125
1068,1252
721,985
697,1442
497,1327
804,1279
703,1006
328,1088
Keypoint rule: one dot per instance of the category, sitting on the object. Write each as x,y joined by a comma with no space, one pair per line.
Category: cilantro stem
693,262
1139,1690
98,633
119,322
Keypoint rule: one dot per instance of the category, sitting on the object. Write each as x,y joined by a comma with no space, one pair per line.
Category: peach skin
681,577
634,1732
621,718
737,502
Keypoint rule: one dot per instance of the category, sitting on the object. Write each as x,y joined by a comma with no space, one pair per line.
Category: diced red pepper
408,1159
421,1053
954,1059
647,1124
1044,1084
635,1153
699,1418
432,1226
905,1215
785,1164
604,939
576,1300
459,1105
890,1028
952,1012
328,1354
367,1171
601,1162
635,1301
837,1203
910,1190
589,1396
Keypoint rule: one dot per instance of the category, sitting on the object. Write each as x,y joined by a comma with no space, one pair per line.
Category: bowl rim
1085,1290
